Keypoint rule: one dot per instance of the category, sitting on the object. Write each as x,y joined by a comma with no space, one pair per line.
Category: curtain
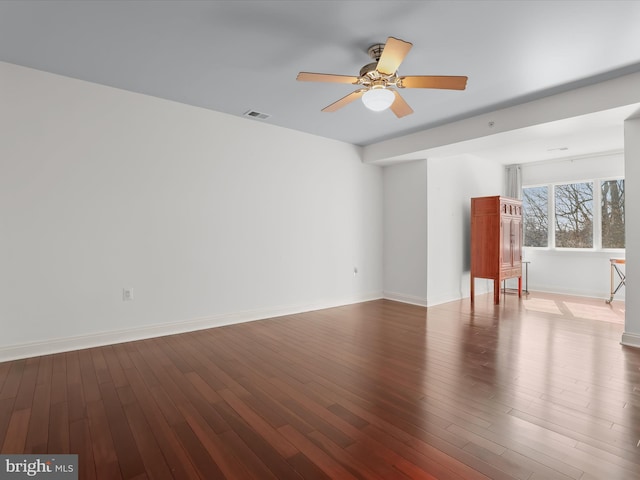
513,182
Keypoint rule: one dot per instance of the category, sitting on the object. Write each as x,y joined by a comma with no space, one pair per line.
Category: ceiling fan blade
325,77
399,106
344,101
392,55
432,81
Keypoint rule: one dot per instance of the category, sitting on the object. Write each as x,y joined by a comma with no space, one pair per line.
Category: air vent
254,114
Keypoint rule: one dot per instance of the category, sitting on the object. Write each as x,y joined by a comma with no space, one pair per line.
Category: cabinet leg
473,284
520,286
496,292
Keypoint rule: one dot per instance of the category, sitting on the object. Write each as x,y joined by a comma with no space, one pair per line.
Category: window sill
578,251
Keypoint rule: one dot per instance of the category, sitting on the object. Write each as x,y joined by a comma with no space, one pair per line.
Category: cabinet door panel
506,259
517,241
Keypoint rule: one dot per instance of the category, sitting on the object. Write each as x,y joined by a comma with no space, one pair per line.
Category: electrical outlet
127,294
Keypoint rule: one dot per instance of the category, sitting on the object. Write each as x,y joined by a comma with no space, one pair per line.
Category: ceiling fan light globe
378,99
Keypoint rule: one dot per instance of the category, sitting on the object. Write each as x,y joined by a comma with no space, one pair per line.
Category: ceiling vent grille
254,114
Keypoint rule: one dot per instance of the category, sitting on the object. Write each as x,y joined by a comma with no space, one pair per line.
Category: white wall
584,273
451,183
405,232
210,218
631,334
427,226
573,169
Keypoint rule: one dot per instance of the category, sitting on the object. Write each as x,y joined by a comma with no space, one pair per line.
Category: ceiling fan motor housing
369,70
369,74
375,51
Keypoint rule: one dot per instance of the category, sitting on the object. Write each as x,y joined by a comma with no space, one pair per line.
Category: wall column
631,335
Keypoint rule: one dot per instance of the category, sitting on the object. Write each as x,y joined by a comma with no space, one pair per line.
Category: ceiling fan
379,80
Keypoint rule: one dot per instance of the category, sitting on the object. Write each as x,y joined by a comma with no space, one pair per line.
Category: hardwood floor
532,389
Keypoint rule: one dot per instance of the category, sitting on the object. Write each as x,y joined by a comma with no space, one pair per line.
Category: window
536,216
612,213
566,215
574,215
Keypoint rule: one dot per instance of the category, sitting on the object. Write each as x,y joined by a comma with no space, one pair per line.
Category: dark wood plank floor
538,388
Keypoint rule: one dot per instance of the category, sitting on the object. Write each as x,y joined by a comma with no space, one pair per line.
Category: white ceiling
235,56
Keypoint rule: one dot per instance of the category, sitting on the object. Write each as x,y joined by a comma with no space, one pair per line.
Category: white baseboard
59,345
576,293
630,340
410,299
422,302
432,302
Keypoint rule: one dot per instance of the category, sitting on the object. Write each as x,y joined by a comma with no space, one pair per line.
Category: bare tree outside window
612,213
574,215
536,216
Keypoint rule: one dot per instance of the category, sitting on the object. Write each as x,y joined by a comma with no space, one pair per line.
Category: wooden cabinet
496,241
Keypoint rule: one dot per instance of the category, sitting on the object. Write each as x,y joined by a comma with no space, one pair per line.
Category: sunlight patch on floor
542,305
593,312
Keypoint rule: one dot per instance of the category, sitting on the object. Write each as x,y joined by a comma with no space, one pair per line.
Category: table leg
611,288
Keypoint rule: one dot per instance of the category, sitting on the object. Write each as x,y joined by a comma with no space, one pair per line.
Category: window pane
613,214
536,219
574,215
